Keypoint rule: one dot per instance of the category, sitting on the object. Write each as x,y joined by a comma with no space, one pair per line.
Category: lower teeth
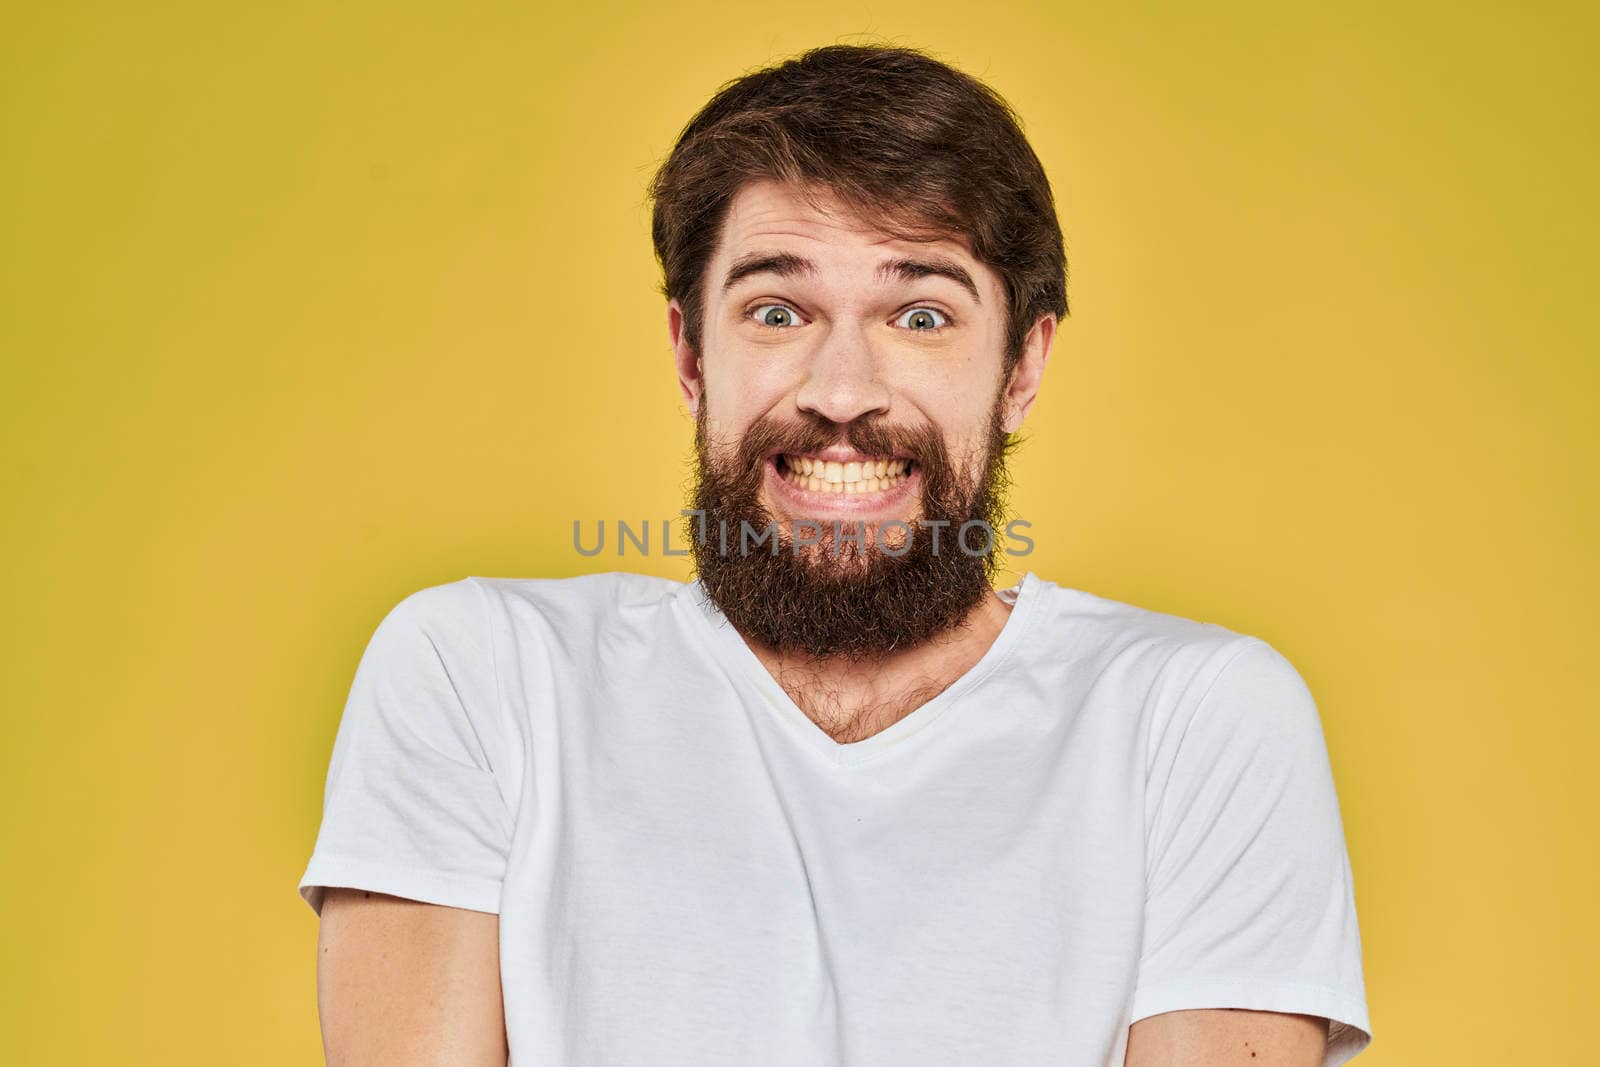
803,481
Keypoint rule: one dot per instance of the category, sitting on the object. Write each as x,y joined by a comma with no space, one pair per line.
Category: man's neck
851,700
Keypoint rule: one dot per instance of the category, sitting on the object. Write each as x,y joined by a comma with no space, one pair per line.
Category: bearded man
838,800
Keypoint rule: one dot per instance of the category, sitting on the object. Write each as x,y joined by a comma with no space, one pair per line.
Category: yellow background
304,307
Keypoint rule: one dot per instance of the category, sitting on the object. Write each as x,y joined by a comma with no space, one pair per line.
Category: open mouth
819,475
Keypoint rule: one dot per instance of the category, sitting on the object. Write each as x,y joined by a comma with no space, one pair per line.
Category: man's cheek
723,430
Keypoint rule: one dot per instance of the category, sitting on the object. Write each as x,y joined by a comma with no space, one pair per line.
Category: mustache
808,434
734,480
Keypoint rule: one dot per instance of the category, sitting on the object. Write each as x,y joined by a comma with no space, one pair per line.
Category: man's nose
842,379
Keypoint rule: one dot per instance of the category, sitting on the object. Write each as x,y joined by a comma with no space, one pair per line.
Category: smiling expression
812,315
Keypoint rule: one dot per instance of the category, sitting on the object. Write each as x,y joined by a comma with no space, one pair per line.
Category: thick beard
843,600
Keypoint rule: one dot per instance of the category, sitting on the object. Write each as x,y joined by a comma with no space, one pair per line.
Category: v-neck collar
731,650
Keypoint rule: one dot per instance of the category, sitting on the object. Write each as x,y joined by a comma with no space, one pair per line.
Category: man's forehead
764,213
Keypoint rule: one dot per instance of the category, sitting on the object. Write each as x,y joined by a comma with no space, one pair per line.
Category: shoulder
474,626
585,602
438,616
447,605
435,633
457,620
1176,665
1115,634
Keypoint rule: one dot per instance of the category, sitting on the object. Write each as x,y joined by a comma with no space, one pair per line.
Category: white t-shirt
1115,813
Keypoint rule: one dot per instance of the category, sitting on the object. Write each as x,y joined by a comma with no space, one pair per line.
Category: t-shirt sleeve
1250,900
412,805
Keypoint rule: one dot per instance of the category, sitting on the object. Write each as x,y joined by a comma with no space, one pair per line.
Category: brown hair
918,147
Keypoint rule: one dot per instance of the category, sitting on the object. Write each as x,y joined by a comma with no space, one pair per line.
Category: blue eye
775,315
923,319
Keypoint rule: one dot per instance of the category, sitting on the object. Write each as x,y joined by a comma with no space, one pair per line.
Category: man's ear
1027,375
691,375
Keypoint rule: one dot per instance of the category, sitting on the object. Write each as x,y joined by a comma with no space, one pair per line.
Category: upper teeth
856,476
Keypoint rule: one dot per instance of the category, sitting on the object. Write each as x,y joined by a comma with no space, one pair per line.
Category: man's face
848,376
811,316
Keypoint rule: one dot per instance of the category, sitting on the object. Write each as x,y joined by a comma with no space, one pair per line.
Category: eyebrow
783,264
789,265
934,267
